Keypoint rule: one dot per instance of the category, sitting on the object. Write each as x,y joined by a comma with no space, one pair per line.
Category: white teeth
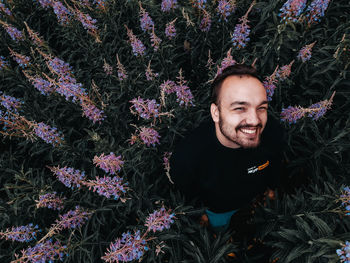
248,131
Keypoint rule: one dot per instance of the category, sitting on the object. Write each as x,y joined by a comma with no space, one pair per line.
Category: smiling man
227,162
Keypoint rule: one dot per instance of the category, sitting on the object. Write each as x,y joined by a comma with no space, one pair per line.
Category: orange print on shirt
263,165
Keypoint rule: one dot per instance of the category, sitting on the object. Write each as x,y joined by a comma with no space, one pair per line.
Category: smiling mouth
252,132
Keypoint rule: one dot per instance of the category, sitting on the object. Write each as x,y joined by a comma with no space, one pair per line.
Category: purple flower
137,47
108,186
150,75
270,85
344,252
284,72
317,110
50,200
70,89
3,62
10,103
45,3
316,10
37,40
109,163
291,10
25,233
5,10
127,248
225,9
86,20
92,112
101,4
14,33
73,218
146,109
226,62
205,22
292,114
168,87
155,40
305,53
62,13
85,3
200,4
45,87
43,252
122,75
240,35
22,61
68,176
48,134
149,136
170,30
59,67
184,95
146,21
167,5
159,220
108,69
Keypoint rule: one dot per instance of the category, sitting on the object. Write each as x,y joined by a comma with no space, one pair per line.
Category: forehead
242,88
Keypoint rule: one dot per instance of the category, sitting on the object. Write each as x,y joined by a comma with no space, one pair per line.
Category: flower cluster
68,176
5,10
168,87
86,20
3,62
344,252
240,35
270,84
127,248
107,186
37,40
101,4
167,5
316,10
150,75
13,32
91,111
137,47
170,30
108,69
146,21
43,252
44,86
48,134
73,218
25,233
315,111
22,60
291,10
45,3
155,40
122,75
284,72
305,53
345,199
109,163
10,103
159,220
50,200
184,95
145,108
205,22
226,62
148,136
62,13
225,9
200,4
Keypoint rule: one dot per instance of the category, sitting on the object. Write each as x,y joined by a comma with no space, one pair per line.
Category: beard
234,134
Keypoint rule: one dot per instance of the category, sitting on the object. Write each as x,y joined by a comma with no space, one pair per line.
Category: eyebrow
246,103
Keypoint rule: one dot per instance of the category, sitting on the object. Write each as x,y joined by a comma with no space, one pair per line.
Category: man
227,162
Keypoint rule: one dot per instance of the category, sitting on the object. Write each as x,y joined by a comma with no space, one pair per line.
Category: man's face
241,114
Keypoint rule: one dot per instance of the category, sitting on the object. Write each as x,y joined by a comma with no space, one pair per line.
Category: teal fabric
220,221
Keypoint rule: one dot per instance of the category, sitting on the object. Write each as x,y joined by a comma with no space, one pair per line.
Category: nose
252,118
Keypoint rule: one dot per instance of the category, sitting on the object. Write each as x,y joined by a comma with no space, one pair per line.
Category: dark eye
239,109
263,108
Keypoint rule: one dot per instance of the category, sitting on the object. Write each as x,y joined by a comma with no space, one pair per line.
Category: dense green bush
306,223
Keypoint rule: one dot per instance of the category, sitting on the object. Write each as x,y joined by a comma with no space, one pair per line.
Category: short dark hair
234,70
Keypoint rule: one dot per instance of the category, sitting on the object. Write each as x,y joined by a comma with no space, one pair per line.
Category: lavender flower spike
291,10
316,10
62,13
305,53
167,5
108,186
170,30
122,75
3,63
205,22
225,8
22,60
240,36
109,163
145,20
344,252
48,134
50,200
149,136
21,233
159,220
68,176
10,103
13,32
73,218
292,114
226,62
127,248
137,47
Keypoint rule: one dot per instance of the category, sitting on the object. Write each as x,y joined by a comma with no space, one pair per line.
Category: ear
214,111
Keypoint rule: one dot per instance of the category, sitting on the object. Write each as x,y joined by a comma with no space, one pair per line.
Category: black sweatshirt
224,178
